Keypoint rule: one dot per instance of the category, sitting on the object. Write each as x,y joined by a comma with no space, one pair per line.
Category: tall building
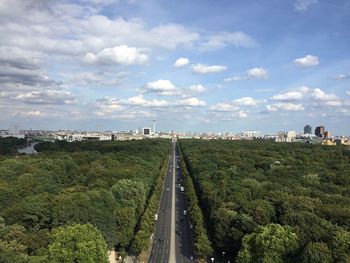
307,129
327,135
319,131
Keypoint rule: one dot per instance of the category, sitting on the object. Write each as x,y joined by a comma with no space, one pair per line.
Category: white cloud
118,55
254,73
139,100
240,114
197,88
225,39
162,85
347,92
343,76
181,62
303,5
205,69
257,73
190,102
285,106
55,97
223,106
289,96
307,61
245,101
319,94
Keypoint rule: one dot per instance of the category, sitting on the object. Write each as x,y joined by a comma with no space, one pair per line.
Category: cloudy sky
198,65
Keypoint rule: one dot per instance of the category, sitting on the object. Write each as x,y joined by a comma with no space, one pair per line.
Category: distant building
319,131
327,135
288,136
146,131
307,129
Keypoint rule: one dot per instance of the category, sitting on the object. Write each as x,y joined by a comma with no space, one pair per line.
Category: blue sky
193,65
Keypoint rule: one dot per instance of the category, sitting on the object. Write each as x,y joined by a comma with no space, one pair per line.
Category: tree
77,243
317,252
270,244
341,246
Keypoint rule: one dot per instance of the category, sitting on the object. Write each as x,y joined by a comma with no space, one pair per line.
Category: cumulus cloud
223,107
118,55
307,98
343,76
47,97
307,61
181,62
225,39
289,96
240,114
161,85
303,5
206,69
254,73
190,102
319,94
197,88
235,105
245,101
285,106
139,100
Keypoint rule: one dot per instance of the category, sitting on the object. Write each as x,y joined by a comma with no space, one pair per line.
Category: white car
185,212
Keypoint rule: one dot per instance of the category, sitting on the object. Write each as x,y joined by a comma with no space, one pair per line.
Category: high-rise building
327,135
319,131
307,129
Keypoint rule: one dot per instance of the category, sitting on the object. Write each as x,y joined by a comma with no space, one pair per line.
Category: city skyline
198,66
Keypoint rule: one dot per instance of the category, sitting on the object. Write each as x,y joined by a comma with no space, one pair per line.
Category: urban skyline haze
191,65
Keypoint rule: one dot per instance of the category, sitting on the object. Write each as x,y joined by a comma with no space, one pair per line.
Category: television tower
154,125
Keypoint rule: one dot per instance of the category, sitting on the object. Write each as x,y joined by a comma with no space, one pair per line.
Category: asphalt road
172,240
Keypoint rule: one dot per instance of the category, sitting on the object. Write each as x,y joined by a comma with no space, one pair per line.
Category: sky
199,65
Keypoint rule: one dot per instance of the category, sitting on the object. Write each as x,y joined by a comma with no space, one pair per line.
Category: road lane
173,240
160,250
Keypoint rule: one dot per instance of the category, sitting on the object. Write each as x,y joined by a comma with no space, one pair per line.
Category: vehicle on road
182,189
164,210
155,217
185,212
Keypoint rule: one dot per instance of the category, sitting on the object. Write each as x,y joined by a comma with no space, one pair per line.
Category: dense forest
273,202
9,145
97,191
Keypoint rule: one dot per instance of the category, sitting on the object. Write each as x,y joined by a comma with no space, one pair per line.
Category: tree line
98,189
273,202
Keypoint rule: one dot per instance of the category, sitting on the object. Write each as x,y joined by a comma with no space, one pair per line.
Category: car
164,210
178,232
185,212
160,240
168,189
191,226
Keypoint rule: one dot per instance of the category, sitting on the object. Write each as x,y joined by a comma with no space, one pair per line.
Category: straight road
172,241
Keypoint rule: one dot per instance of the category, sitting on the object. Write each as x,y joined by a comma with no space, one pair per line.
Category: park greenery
9,145
273,202
202,245
86,195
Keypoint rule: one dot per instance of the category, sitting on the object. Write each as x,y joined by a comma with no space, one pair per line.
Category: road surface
172,240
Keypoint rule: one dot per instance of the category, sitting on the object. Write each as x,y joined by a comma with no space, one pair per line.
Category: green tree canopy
77,243
269,244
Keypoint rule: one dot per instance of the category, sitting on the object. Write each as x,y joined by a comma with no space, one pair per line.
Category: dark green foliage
245,185
106,184
202,244
9,145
